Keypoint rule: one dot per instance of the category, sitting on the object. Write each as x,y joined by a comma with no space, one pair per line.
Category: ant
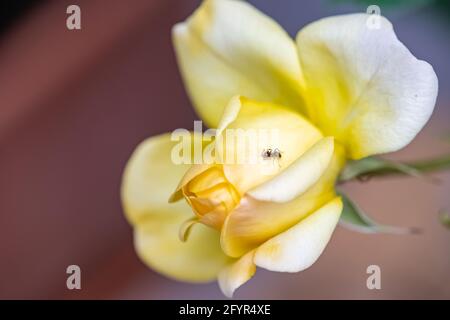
271,154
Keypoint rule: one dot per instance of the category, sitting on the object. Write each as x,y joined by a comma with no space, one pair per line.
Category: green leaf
442,163
445,137
355,219
444,216
375,166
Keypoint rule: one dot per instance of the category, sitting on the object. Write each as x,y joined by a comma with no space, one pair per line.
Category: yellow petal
227,48
254,221
186,228
299,247
363,85
192,172
149,178
199,259
236,274
211,196
197,142
248,128
299,176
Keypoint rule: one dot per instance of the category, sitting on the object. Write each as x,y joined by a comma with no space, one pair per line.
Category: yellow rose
345,91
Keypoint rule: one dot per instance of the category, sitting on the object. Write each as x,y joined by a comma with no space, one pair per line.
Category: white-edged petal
299,247
236,274
363,85
299,176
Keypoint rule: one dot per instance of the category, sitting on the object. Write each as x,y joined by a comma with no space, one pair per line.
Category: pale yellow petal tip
199,16
236,274
299,247
230,112
178,30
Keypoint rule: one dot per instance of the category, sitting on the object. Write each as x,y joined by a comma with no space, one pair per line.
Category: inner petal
254,222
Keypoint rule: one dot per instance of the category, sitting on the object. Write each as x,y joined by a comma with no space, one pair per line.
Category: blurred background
74,104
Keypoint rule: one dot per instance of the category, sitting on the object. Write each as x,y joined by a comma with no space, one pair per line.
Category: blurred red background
74,104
